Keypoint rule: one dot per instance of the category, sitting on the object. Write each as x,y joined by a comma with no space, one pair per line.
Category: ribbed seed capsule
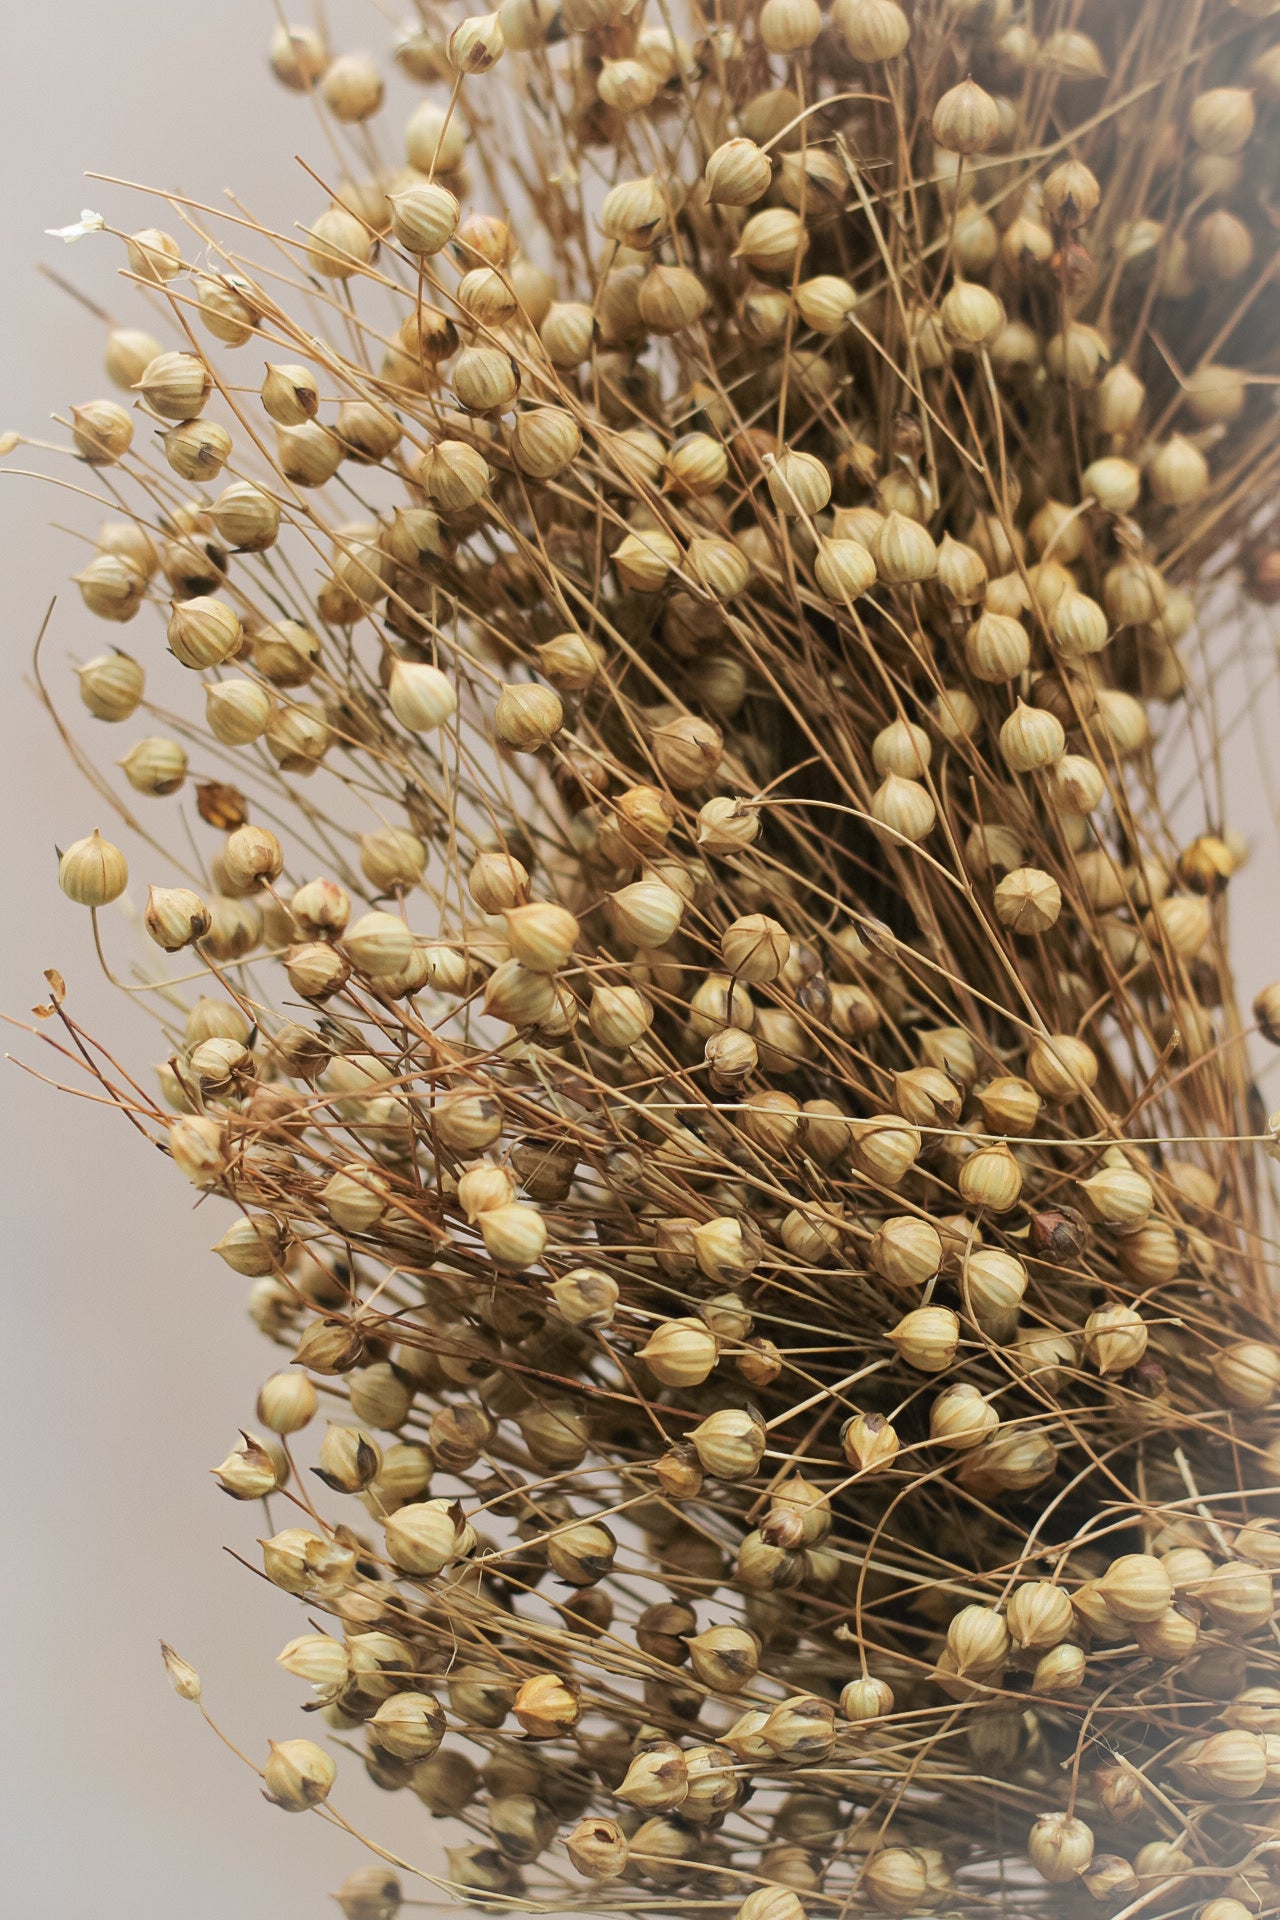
738,173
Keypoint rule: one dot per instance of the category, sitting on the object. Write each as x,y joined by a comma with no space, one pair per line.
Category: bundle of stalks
723,1062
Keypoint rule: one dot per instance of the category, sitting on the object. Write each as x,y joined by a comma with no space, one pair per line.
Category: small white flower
89,222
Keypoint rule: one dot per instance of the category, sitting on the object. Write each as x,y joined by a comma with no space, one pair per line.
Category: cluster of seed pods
676,948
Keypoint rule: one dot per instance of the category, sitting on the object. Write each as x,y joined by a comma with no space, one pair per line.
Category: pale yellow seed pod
773,242
102,432
290,395
626,85
843,569
1038,1614
544,441
421,697
1119,1195
1028,901
903,551
991,1178
1115,484
644,561
927,1338
92,872
825,302
1178,473
961,1417
799,483
425,217
237,710
1075,784
1115,1338
154,256
527,716
1060,1847
680,1353
1079,625
1222,120
726,824
1060,1067
176,385
1226,1766
476,43
789,26
971,314
308,455
1248,1373
1060,1670
634,212
338,244
1136,1587
729,1444
896,1879
874,31
966,119
1031,738
906,1250
737,174
111,685
997,648
298,1775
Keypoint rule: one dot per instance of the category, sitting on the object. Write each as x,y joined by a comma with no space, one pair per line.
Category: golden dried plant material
721,1065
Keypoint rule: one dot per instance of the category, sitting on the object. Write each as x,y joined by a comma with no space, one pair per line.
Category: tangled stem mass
748,1141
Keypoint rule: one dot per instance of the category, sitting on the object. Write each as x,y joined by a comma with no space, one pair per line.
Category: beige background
129,1360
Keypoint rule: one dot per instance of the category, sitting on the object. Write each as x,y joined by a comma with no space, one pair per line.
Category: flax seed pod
424,218
176,386
1222,120
246,517
961,1418
997,648
111,685
1060,1067
1115,1338
1136,1587
903,551
906,1250
1031,738
874,31
1028,901
773,242
1078,625
825,303
338,244
485,380
737,174
971,314
1248,1372
927,1338
102,432
904,809
844,569
680,1353
544,441
203,632
799,484
154,256
991,1178
1060,1847
308,455
1114,484
634,212
966,119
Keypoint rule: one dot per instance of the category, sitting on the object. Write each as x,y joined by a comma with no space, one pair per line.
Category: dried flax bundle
722,1062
